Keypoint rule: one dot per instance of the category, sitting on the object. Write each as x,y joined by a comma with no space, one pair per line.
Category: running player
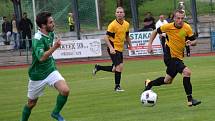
176,32
43,70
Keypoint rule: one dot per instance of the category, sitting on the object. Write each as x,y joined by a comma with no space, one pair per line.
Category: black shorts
116,58
174,65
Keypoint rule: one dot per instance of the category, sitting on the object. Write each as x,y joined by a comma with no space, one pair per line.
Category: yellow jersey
176,38
117,34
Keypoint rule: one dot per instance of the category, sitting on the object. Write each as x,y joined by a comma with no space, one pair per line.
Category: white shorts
35,88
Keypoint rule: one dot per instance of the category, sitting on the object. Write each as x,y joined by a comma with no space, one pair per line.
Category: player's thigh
181,68
171,68
62,87
118,58
35,89
55,79
119,61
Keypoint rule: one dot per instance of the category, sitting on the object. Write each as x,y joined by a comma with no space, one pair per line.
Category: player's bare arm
151,39
46,55
128,39
192,40
112,50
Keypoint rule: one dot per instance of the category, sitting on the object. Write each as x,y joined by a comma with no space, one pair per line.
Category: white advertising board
139,41
78,49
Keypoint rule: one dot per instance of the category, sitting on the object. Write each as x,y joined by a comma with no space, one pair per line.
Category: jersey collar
176,26
42,33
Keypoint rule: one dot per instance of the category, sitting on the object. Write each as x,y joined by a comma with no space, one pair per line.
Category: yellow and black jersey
176,38
117,33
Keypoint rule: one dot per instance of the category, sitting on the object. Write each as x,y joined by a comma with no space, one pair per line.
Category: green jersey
41,43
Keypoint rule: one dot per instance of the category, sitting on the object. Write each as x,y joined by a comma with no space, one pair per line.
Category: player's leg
55,79
35,89
118,63
158,82
188,87
61,100
118,73
105,68
27,109
171,72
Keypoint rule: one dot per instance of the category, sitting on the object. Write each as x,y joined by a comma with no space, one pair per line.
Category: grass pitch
93,98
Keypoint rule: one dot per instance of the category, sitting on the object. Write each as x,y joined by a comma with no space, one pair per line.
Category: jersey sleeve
162,29
38,48
110,30
190,35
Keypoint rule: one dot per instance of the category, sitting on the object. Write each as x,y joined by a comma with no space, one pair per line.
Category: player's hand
188,42
112,51
57,43
149,49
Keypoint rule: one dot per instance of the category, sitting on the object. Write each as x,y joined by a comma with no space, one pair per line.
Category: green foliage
156,7
6,8
87,15
93,98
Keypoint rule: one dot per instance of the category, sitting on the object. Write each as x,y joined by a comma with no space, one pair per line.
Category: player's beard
50,28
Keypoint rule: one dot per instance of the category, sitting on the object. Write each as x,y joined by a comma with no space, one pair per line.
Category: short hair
42,18
120,7
179,11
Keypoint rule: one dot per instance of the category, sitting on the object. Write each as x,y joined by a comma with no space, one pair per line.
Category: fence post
194,15
134,15
212,40
76,16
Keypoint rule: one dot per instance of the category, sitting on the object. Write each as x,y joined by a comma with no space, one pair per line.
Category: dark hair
42,18
4,17
178,11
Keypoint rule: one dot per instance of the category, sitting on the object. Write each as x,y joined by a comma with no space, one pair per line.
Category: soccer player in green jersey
43,70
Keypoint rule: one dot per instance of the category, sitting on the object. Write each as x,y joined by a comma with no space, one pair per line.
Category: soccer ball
148,98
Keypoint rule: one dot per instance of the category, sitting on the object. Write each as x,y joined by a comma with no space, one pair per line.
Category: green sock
26,113
61,100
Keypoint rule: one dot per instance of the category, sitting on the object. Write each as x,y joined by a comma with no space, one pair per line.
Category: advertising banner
78,49
139,41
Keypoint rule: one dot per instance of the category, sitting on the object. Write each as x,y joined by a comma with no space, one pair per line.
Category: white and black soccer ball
148,98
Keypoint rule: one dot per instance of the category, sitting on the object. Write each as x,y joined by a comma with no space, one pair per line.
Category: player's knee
187,72
168,81
119,68
65,91
32,103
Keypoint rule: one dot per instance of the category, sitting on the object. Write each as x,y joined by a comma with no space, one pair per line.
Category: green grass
93,98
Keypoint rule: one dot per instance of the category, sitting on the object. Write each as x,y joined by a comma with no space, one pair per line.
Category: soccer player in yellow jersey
117,33
177,32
